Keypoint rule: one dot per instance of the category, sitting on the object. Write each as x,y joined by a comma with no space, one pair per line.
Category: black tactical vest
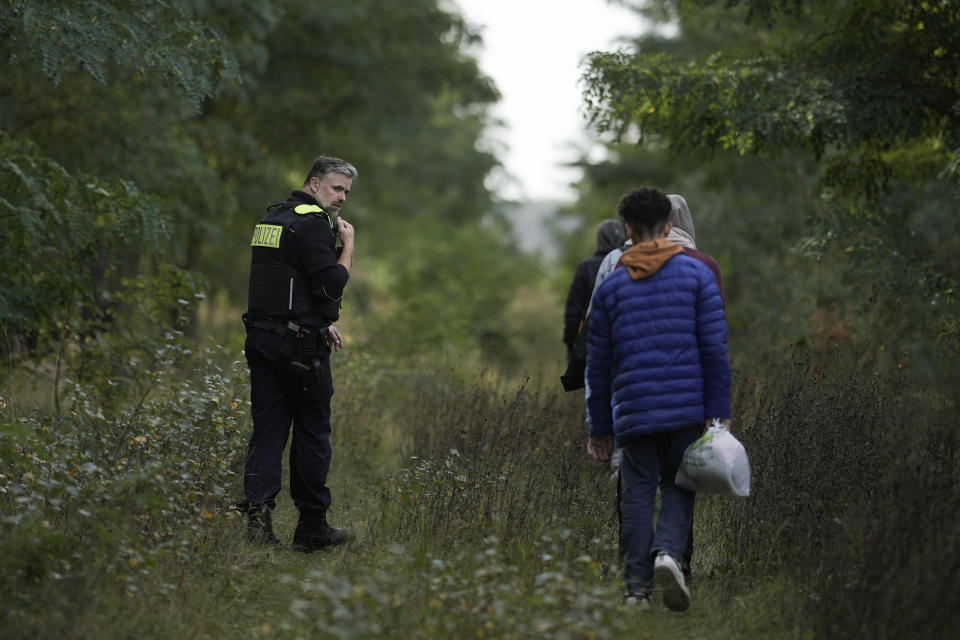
278,286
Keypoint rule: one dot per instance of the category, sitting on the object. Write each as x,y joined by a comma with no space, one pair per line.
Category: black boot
260,526
313,533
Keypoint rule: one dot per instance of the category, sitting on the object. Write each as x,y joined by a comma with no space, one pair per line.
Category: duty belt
271,324
288,329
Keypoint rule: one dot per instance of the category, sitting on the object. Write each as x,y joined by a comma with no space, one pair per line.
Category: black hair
646,210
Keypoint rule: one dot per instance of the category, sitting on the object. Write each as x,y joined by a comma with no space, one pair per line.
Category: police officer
302,255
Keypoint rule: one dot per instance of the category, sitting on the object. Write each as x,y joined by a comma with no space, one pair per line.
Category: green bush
90,498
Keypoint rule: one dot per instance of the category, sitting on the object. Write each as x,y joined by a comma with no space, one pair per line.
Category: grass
481,593
478,515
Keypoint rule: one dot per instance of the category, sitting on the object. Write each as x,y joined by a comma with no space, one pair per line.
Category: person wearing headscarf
683,234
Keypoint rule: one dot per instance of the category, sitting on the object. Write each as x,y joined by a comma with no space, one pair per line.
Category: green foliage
855,103
712,105
107,41
824,87
268,86
95,497
65,240
446,289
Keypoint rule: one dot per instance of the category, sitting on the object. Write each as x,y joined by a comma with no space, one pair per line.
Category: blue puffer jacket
657,355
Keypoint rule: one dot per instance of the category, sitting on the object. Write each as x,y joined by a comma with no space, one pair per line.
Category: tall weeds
855,488
855,496
486,459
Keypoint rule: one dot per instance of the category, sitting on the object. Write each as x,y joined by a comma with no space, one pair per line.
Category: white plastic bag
715,463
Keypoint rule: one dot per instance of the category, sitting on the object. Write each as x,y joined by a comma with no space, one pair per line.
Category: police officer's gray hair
325,165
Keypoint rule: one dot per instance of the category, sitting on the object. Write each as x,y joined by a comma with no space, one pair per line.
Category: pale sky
532,50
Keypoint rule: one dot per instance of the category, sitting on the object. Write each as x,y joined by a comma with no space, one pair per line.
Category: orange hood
645,259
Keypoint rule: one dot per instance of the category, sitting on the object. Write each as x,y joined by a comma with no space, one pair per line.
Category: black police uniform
294,295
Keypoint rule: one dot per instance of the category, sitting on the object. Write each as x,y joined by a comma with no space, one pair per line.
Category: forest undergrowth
477,511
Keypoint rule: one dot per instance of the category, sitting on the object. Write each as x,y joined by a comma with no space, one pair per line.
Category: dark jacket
578,297
610,235
294,274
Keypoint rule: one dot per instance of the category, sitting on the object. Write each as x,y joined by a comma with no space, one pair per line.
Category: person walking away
610,235
297,278
657,360
681,232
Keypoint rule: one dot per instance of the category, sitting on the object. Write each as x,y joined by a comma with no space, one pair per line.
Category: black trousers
283,396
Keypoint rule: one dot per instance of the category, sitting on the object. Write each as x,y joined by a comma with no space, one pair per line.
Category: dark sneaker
668,578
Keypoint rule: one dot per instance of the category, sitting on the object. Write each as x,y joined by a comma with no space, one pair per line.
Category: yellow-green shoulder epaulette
303,209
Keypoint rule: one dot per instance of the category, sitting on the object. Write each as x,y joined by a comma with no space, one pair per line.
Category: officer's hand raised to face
346,231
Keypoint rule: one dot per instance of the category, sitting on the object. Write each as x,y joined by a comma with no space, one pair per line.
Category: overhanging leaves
126,38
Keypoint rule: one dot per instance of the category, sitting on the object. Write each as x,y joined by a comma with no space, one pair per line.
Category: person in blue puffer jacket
658,374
